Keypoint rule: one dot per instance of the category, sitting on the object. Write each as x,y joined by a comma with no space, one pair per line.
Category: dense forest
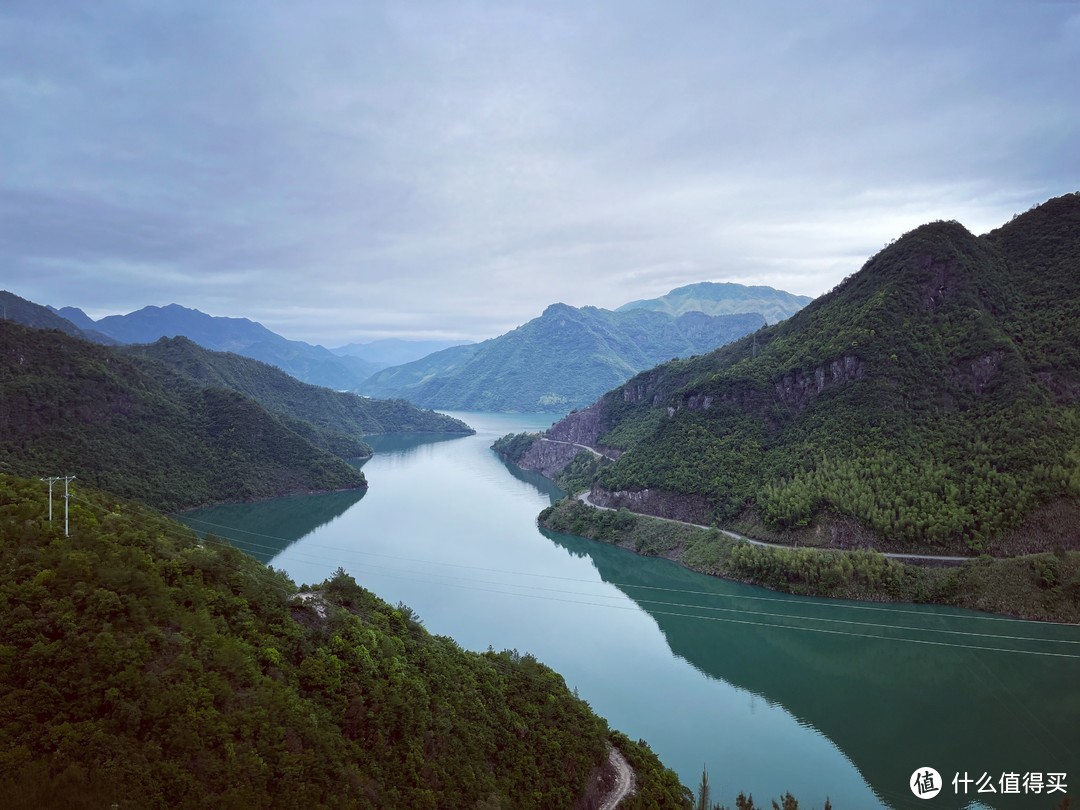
928,403
331,419
142,668
131,426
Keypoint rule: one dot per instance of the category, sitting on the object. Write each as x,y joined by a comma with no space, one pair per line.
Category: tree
703,791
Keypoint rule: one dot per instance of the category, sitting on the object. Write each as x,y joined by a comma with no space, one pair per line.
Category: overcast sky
343,171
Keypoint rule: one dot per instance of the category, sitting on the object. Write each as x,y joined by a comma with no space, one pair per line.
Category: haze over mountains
312,364
564,359
724,298
394,351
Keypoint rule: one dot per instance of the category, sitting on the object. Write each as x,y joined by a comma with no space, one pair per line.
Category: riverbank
1044,587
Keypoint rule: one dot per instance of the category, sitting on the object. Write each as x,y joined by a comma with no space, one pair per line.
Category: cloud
350,170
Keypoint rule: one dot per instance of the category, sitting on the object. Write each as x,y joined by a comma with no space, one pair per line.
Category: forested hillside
566,358
69,407
140,668
928,402
334,420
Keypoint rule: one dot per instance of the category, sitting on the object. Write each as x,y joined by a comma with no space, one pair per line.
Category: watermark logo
925,783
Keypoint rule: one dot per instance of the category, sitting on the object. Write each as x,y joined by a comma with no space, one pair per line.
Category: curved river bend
770,692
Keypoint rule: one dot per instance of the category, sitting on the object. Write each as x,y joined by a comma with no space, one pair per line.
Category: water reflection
446,530
265,528
871,678
543,485
406,444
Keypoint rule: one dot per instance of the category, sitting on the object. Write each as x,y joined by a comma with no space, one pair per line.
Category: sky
346,171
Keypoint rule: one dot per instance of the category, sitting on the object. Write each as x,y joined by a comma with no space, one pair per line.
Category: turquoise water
769,692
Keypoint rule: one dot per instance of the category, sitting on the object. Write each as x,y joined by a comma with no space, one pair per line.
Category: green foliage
931,397
1041,586
141,667
581,471
333,420
136,429
564,359
656,787
513,446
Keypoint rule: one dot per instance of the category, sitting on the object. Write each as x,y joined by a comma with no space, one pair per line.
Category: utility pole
67,496
50,480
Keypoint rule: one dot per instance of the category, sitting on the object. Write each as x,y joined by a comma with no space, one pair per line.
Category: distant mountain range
930,401
722,298
561,360
19,310
394,351
312,364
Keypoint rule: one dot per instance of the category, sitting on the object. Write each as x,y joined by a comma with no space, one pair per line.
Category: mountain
70,407
724,298
76,316
19,310
561,360
143,667
394,351
312,364
929,402
330,419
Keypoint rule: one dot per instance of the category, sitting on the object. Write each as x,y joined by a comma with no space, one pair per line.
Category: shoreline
929,559
1039,587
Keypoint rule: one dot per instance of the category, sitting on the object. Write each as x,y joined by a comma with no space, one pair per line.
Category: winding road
584,498
624,780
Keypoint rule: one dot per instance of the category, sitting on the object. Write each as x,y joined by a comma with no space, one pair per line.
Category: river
769,692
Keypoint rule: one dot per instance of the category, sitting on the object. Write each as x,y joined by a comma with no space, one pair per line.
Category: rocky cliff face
581,427
548,458
797,388
658,502
976,374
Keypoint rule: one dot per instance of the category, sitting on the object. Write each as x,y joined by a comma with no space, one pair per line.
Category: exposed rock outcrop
580,427
1064,387
797,388
976,374
658,502
548,458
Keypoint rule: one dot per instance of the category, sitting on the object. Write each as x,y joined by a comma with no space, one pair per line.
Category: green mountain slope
724,298
334,420
142,668
928,402
564,359
69,407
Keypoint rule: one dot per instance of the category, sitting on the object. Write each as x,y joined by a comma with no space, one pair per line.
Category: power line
832,605
413,576
405,575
